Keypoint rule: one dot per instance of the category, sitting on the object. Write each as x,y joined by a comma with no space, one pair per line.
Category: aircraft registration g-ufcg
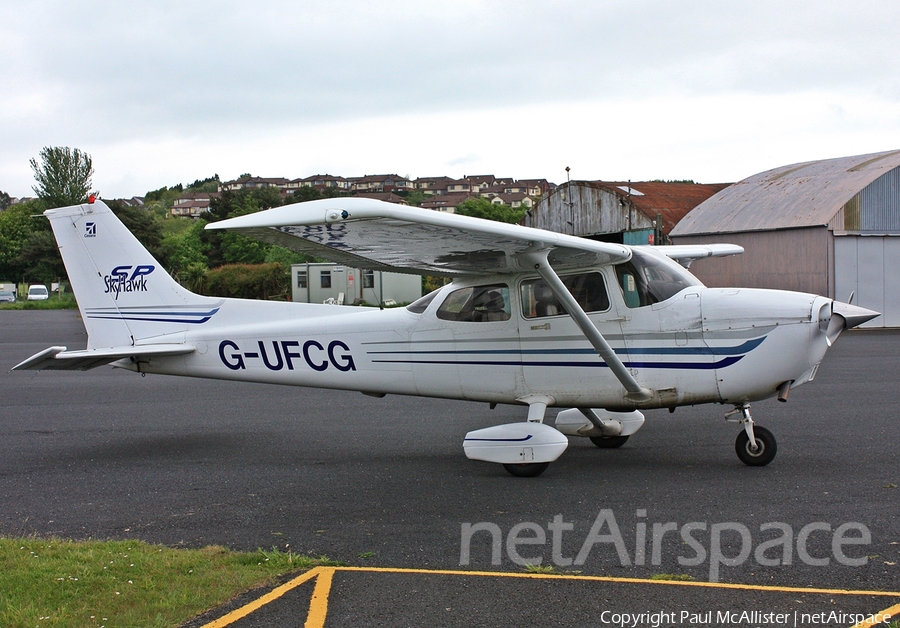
531,317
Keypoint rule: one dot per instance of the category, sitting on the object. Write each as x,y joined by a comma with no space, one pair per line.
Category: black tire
766,447
527,470
609,442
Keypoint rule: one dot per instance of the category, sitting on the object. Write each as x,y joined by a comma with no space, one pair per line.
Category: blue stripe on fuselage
731,355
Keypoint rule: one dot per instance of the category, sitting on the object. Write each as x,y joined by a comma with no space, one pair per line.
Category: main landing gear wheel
526,470
609,442
766,447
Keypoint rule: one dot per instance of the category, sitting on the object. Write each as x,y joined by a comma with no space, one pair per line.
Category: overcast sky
160,92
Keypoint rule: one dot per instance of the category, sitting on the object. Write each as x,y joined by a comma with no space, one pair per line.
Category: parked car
7,297
37,292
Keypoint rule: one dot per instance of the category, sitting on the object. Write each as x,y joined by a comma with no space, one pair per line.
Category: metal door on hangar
869,266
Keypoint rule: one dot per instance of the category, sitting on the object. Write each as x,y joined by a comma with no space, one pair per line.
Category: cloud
100,75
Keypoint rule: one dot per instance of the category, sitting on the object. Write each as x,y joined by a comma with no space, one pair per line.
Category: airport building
642,212
829,227
341,285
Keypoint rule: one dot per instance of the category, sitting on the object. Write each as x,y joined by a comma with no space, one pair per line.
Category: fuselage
699,345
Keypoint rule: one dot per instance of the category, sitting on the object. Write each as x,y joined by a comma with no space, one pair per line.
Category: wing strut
538,260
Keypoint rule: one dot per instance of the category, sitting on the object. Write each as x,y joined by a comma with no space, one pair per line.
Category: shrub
249,281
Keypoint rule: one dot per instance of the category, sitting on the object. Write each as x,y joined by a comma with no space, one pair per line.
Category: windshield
648,279
421,304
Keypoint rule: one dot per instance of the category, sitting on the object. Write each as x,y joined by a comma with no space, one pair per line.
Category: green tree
483,208
17,224
286,257
183,250
306,193
144,225
232,248
233,203
193,277
63,176
164,194
209,184
5,200
250,281
415,197
39,260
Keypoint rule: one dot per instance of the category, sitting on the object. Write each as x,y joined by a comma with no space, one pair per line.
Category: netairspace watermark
795,619
728,544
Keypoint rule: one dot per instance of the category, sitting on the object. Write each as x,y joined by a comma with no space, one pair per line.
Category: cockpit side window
588,289
646,279
477,304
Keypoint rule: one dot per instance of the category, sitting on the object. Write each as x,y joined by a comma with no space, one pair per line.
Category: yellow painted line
271,596
318,606
677,583
880,618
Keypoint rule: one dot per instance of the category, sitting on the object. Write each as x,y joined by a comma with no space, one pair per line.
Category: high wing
366,233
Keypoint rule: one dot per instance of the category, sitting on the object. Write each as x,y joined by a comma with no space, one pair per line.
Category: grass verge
53,303
58,583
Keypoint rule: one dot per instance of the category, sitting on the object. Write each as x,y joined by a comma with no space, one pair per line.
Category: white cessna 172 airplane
531,317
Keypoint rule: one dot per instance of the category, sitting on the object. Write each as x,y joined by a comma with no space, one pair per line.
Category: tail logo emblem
90,230
128,279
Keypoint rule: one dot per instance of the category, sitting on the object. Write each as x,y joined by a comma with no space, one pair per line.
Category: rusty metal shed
642,212
828,227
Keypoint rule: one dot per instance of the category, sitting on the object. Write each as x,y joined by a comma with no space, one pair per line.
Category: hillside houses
192,204
251,182
441,193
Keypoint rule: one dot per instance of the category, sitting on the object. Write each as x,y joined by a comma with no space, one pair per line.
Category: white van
37,292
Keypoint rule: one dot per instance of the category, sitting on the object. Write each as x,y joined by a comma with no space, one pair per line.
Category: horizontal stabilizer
58,359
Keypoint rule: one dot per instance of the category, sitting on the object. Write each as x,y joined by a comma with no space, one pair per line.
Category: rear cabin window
477,304
589,291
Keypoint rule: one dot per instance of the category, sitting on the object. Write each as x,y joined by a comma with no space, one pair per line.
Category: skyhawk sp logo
124,279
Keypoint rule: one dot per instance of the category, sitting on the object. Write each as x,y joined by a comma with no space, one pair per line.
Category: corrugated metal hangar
828,227
642,212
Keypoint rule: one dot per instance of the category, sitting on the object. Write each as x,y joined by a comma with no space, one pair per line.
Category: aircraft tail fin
124,294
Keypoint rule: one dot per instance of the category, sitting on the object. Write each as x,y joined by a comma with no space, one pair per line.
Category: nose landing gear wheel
527,470
766,447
